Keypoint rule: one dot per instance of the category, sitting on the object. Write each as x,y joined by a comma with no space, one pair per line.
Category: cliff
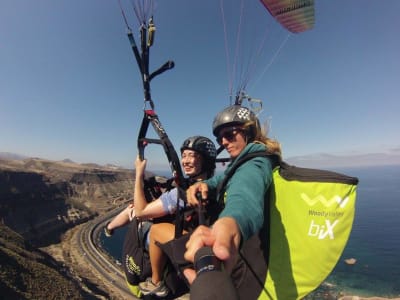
26,272
41,199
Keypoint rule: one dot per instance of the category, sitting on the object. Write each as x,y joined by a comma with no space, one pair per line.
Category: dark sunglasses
228,134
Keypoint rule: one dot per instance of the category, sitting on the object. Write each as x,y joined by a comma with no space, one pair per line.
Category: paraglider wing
295,15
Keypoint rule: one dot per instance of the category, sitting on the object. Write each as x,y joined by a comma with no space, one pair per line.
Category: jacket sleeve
245,195
213,182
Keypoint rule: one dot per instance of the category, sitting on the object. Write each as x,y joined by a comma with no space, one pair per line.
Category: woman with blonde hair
245,196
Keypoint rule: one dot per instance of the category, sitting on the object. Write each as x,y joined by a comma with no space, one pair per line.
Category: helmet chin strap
193,177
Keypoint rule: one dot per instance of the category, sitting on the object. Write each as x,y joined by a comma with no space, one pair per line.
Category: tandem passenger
198,162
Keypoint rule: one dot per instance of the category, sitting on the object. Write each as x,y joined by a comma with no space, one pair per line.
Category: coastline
67,253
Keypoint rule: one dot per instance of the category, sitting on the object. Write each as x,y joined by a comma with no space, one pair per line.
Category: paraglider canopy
295,15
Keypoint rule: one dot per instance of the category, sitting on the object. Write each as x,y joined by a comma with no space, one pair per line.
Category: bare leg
162,233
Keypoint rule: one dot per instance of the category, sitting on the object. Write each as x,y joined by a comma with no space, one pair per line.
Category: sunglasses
228,134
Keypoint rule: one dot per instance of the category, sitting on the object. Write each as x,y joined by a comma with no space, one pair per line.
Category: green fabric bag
312,213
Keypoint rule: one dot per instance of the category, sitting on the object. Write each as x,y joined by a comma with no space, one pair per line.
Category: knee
161,232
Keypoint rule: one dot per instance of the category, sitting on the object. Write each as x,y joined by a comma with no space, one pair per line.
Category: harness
142,56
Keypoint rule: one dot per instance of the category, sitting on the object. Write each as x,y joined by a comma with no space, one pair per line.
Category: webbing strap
142,57
150,117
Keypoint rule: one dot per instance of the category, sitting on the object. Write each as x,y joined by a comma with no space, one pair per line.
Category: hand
191,193
140,166
224,238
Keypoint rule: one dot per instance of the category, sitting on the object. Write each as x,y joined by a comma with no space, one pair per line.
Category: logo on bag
131,266
326,202
322,231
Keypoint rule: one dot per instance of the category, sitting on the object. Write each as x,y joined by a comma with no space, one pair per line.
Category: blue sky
70,87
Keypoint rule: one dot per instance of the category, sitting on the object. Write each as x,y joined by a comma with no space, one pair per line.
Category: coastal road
99,260
106,267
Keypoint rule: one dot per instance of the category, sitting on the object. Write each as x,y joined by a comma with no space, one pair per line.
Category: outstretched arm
224,237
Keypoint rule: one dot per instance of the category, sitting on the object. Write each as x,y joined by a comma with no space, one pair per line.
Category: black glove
211,283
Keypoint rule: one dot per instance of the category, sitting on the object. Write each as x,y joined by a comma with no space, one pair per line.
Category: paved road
97,258
100,260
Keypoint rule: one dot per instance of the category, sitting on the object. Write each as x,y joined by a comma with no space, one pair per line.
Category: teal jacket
246,191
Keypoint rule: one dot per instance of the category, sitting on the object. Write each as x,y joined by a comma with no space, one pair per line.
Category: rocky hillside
40,199
26,272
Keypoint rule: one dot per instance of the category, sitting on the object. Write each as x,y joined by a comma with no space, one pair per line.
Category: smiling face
233,139
191,162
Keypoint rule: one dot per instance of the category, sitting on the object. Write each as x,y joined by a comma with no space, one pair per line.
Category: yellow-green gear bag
311,216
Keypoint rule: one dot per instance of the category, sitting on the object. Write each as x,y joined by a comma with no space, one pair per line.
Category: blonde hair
259,135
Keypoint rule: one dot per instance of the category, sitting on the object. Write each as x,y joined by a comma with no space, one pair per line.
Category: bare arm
143,209
139,199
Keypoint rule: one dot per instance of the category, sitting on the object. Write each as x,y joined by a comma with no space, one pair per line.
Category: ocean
374,241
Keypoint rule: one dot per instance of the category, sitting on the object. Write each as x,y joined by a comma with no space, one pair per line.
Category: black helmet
234,115
202,145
